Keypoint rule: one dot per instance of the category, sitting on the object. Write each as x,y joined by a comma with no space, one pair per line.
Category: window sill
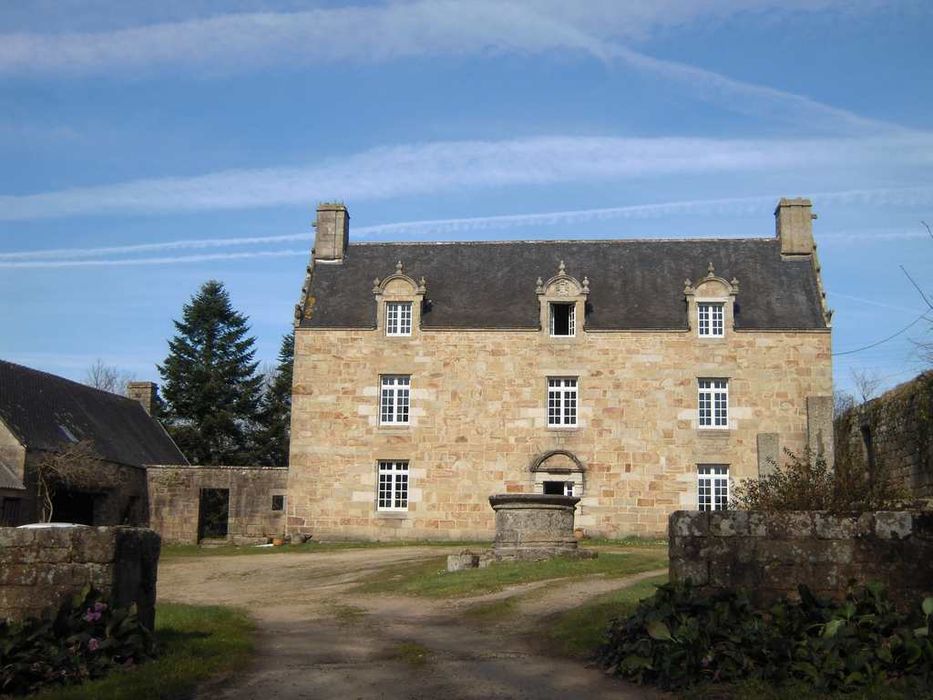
394,426
392,514
564,428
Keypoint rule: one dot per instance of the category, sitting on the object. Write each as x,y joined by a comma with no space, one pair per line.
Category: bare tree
76,466
107,378
866,383
843,401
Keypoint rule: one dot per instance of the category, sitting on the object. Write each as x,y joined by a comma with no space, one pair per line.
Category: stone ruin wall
769,554
893,434
174,501
40,568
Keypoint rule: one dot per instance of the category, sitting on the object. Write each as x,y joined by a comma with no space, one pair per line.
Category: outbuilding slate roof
634,284
46,412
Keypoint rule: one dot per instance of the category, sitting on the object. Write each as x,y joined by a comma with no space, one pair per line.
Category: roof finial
586,285
539,286
688,286
710,270
422,285
561,270
735,285
398,266
376,287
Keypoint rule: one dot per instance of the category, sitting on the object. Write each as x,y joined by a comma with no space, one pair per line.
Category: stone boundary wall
42,567
174,501
769,554
893,434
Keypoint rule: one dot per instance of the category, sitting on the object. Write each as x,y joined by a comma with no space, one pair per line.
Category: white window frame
571,321
563,399
712,487
392,486
394,399
713,403
711,319
398,318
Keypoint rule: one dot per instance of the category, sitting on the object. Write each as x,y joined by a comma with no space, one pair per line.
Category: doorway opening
213,514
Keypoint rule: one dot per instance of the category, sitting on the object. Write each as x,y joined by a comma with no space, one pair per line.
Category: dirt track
319,639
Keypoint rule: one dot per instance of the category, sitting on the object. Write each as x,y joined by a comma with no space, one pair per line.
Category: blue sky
149,147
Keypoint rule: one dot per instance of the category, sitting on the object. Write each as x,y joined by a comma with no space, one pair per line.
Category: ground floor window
713,487
393,486
278,502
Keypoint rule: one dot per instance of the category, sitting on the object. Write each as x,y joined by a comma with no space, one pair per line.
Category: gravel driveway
319,639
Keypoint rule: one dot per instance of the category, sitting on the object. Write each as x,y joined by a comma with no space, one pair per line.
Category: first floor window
713,403
398,318
393,486
395,399
713,487
710,320
562,401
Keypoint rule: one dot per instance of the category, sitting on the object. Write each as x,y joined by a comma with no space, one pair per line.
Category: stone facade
478,420
893,435
478,423
40,568
770,554
174,501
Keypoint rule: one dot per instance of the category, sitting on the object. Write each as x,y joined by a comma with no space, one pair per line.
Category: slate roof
46,412
634,284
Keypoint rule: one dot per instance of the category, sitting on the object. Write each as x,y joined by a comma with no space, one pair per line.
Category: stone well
534,526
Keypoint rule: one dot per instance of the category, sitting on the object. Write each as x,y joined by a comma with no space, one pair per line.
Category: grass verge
579,631
177,551
195,643
431,578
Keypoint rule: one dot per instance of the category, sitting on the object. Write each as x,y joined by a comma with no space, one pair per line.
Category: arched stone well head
534,526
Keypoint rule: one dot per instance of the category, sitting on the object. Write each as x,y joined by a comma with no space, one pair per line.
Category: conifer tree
276,410
210,386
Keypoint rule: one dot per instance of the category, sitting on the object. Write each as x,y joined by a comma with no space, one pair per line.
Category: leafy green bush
808,483
680,638
86,639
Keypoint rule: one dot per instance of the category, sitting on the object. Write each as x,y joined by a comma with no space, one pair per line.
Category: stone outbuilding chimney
144,392
332,232
793,220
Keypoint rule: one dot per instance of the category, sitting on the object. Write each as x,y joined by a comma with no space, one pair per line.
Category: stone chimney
332,232
144,392
793,220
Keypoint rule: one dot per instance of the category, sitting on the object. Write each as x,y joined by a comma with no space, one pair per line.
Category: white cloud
227,43
110,256
446,166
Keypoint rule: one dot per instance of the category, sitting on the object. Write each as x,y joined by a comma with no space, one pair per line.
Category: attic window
563,319
398,318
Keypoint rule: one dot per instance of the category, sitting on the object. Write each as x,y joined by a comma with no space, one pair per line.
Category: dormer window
398,318
563,319
562,302
399,300
710,319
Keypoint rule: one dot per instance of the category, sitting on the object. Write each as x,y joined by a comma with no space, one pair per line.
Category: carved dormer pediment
563,285
711,286
398,284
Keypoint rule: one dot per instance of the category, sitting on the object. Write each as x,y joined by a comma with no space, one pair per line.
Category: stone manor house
643,376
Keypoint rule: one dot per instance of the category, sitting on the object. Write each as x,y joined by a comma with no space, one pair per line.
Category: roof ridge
770,239
104,394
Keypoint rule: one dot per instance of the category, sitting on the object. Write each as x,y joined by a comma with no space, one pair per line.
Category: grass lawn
578,632
431,578
174,551
195,643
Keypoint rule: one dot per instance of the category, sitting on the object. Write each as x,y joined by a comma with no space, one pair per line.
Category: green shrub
679,638
86,639
808,483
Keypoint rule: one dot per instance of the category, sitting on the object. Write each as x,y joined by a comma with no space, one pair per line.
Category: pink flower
99,607
93,644
91,616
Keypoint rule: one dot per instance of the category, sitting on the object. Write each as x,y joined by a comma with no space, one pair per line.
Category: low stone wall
174,501
769,554
42,567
